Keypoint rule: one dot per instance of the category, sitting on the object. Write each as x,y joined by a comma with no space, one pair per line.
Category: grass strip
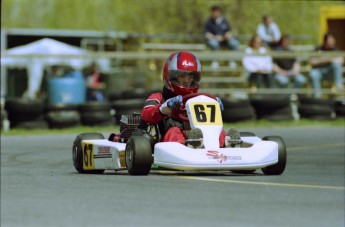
116,128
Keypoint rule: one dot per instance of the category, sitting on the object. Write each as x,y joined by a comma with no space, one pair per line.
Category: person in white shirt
259,68
269,31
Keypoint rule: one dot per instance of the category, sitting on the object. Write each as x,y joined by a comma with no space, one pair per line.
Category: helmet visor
186,79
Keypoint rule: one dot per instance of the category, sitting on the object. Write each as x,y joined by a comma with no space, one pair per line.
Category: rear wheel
138,155
77,151
278,168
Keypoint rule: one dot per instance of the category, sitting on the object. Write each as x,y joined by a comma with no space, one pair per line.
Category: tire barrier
237,110
127,106
62,116
22,111
316,109
96,113
340,108
273,108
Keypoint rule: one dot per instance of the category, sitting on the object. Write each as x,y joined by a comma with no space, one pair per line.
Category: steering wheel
182,111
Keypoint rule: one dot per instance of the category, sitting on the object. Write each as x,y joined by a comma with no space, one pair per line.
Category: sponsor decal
103,150
186,63
102,156
221,157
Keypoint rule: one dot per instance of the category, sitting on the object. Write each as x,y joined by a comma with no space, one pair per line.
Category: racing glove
220,103
170,105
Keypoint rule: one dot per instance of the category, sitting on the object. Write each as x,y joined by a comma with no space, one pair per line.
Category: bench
174,46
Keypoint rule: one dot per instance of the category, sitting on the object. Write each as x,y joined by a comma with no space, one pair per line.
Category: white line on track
316,146
263,183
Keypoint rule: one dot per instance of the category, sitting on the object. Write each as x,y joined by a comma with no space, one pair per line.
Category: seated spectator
327,68
217,32
258,67
287,69
95,85
269,31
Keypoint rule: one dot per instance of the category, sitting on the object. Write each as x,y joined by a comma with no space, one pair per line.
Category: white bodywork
204,113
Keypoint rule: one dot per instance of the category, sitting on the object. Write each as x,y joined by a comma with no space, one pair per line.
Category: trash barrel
67,90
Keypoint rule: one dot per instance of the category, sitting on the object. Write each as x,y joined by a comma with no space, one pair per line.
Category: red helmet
182,63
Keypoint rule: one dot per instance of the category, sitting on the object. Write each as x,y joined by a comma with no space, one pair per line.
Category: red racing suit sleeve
150,113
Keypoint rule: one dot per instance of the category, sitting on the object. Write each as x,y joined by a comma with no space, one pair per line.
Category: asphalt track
39,187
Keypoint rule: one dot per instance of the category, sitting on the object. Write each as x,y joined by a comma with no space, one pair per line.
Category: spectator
287,69
258,67
269,31
95,85
329,68
217,32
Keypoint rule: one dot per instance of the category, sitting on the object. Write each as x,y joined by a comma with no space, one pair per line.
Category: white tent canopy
36,65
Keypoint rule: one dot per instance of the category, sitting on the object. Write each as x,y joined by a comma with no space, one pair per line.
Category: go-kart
137,147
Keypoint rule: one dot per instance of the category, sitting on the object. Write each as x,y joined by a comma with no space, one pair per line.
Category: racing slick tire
77,151
278,168
138,155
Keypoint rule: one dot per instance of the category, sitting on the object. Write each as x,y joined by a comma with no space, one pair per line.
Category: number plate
88,158
205,113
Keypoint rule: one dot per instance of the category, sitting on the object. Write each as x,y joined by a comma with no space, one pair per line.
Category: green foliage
160,16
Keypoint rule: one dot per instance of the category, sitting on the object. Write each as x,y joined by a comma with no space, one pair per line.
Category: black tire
278,117
61,107
24,106
239,114
18,118
63,119
247,134
113,96
124,104
135,94
285,110
129,106
96,118
94,107
278,168
235,103
37,124
311,110
316,101
270,102
340,108
138,155
77,151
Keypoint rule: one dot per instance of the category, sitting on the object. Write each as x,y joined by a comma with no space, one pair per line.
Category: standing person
259,68
94,84
327,68
218,33
287,69
181,76
269,31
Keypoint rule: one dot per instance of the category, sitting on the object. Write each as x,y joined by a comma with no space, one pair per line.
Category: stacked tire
62,116
273,108
316,108
96,114
340,108
129,101
236,110
25,113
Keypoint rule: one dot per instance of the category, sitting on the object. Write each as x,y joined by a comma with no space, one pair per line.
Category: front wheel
138,155
77,151
278,168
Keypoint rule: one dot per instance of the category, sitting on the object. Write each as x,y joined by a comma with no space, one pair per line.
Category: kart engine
128,123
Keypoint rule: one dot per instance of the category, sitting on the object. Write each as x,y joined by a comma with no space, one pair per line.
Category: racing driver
181,76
